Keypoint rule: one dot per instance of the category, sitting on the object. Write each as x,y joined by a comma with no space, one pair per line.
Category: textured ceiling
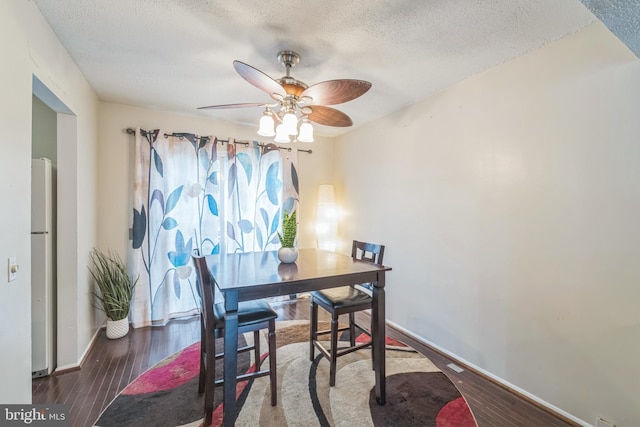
177,55
622,17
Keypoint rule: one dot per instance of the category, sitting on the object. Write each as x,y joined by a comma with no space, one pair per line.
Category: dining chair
343,300
253,316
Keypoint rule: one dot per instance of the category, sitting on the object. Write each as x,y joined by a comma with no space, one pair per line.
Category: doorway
43,238
54,137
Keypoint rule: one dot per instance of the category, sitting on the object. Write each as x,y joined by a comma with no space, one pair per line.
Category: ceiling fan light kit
290,121
266,127
297,104
306,131
282,134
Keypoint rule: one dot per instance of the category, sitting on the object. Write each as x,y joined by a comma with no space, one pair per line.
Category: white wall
31,48
15,155
116,166
510,206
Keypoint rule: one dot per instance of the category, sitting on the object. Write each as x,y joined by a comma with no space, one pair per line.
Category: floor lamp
326,218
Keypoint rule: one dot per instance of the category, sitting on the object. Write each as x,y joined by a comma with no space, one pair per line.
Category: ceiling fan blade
328,116
334,92
259,79
242,105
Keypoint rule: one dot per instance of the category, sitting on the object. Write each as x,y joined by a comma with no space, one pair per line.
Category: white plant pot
288,255
117,328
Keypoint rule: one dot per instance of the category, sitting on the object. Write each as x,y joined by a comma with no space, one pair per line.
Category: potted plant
288,253
116,291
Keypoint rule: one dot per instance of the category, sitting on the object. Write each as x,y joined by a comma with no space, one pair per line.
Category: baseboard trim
77,366
534,400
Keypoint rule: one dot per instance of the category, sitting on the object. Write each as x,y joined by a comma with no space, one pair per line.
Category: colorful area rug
418,393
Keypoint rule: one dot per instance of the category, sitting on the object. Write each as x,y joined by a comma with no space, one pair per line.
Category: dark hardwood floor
112,364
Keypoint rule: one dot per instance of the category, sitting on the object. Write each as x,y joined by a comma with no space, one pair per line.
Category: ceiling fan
295,100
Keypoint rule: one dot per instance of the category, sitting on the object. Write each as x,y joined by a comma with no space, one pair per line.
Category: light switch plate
12,269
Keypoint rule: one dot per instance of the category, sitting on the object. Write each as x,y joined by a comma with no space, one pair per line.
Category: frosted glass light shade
266,125
306,131
282,135
326,218
290,121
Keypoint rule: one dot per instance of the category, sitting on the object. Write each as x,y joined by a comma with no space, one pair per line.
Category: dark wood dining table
256,275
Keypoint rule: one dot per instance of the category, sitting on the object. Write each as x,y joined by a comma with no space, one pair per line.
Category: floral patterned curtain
194,192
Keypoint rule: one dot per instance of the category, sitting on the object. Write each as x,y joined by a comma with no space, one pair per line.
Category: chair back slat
369,252
206,292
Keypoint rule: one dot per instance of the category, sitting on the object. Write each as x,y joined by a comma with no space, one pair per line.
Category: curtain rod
246,143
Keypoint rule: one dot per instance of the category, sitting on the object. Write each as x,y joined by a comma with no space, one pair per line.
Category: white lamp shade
326,218
306,132
290,121
266,126
282,135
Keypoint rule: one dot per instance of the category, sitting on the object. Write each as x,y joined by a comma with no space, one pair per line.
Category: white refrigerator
42,284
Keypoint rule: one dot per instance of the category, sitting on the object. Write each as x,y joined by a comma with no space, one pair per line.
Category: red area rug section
455,414
178,371
362,338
